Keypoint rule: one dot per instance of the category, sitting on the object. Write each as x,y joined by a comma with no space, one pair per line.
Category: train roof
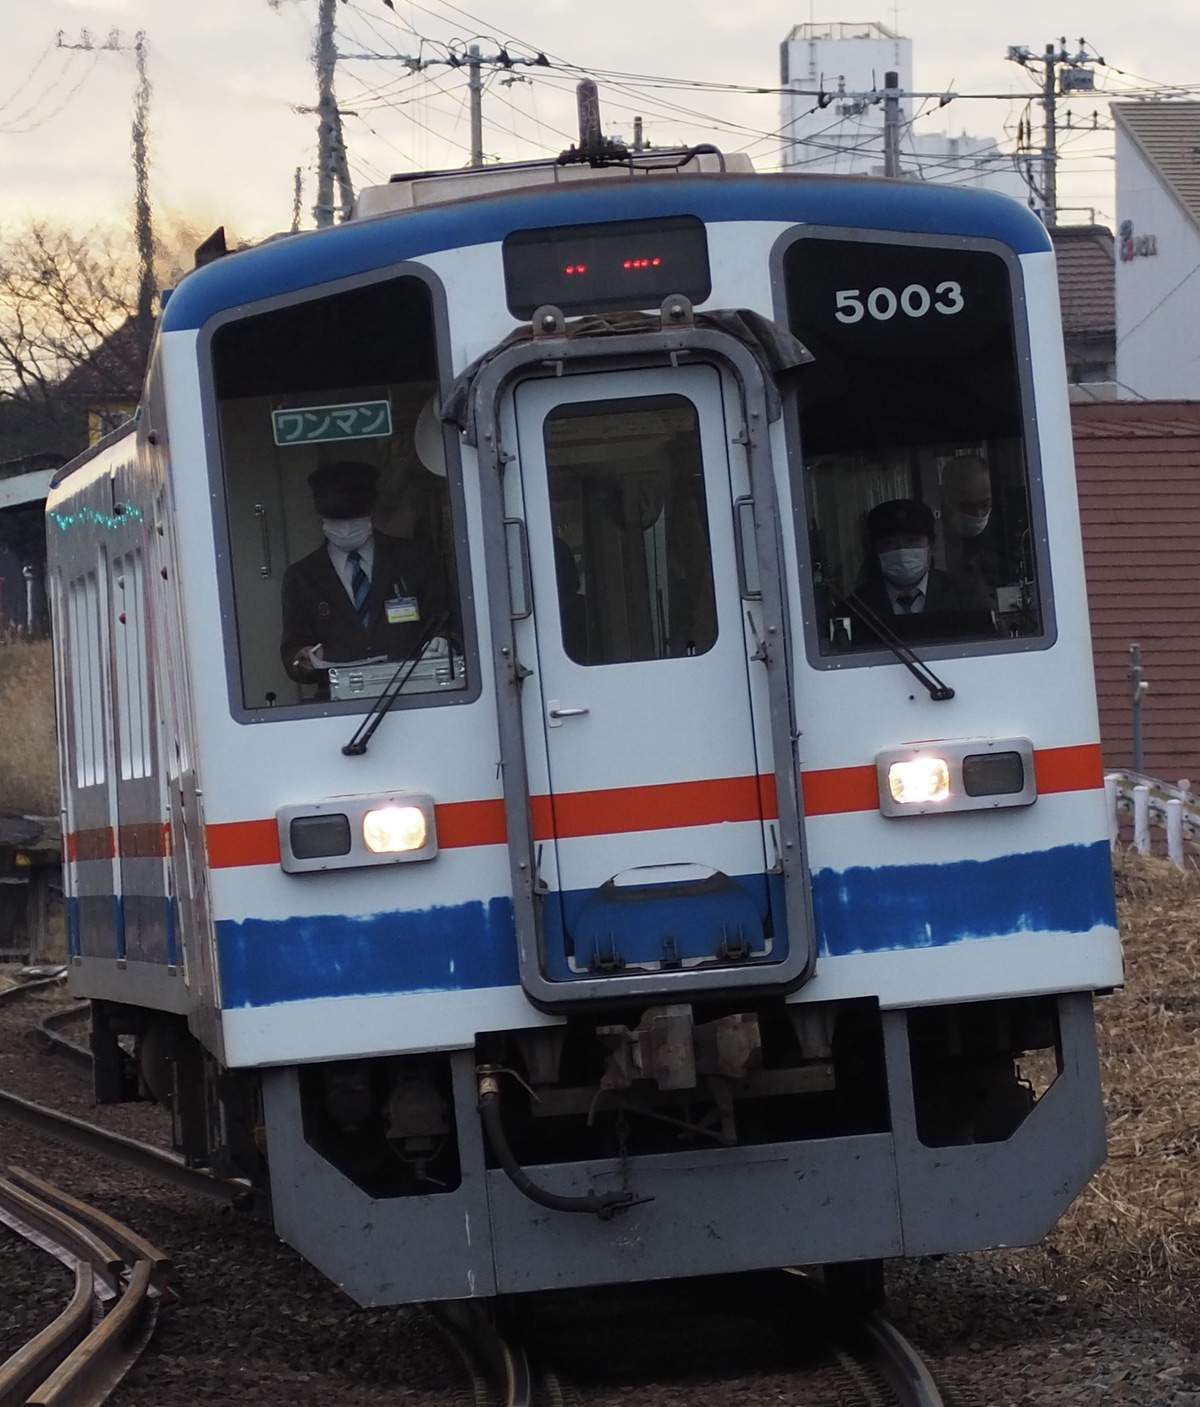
289,264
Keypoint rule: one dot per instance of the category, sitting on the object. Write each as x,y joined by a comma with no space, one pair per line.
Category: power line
13,130
29,77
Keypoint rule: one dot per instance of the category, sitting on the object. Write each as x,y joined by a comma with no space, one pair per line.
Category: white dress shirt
917,592
345,568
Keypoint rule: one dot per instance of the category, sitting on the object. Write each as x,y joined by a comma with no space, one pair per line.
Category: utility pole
891,124
141,202
1062,73
1050,142
331,146
475,89
139,138
474,62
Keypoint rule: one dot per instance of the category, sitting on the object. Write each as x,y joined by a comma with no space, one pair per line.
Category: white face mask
967,524
347,534
904,566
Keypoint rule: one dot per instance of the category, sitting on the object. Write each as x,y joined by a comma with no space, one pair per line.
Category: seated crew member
971,555
362,593
899,578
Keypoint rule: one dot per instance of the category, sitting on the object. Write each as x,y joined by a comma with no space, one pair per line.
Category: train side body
672,918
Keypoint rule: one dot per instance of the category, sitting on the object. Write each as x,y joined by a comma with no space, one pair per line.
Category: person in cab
362,595
900,587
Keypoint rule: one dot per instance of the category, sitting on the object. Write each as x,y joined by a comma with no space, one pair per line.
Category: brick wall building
1138,469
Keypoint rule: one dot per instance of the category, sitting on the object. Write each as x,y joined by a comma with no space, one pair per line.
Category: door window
630,522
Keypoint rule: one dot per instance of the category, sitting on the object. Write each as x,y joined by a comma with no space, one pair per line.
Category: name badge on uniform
401,610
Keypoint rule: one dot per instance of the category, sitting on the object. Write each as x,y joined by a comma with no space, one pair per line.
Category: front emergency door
646,727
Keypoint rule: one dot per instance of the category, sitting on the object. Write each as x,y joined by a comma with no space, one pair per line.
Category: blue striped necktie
360,587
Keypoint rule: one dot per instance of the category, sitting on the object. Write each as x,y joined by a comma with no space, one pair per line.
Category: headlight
955,774
921,780
391,830
345,832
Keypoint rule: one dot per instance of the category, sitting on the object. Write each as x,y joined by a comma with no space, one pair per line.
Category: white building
842,133
1158,249
845,137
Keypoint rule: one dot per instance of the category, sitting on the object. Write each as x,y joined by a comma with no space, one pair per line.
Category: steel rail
91,1138
499,1366
70,1240
70,1363
47,1036
90,1372
900,1365
29,1366
117,1148
35,984
131,1244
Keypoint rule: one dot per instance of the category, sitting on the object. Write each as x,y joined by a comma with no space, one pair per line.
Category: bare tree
65,300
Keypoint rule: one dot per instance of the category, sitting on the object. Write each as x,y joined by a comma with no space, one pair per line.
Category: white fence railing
1152,802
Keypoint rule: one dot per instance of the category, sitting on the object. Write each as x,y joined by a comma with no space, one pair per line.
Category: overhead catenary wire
12,127
29,77
436,28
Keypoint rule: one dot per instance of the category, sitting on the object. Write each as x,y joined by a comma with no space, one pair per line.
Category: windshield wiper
907,656
391,690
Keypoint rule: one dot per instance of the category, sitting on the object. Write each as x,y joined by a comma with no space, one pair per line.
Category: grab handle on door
520,583
556,713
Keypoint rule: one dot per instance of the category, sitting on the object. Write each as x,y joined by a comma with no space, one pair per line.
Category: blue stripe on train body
859,910
1064,890
299,261
456,947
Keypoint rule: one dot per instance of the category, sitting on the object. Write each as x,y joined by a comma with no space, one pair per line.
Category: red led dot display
606,265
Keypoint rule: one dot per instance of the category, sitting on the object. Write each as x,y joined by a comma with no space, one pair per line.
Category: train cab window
341,525
630,525
916,478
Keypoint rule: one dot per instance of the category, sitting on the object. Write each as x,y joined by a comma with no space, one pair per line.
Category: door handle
556,713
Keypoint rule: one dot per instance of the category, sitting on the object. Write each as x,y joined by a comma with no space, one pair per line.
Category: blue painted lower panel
473,945
1065,890
437,950
693,920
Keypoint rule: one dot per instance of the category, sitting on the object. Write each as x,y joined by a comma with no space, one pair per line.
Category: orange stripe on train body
827,791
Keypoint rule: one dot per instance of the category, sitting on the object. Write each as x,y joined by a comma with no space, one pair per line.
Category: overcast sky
229,75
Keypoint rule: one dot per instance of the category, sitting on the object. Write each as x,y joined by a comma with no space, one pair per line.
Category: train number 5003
882,304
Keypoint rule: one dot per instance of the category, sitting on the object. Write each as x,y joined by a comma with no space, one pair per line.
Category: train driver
362,594
899,578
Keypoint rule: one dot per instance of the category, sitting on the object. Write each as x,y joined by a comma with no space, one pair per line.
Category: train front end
686,851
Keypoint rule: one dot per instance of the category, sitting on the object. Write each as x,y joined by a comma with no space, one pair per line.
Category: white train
660,859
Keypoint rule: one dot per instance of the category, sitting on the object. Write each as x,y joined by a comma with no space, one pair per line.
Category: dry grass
1134,1235
28,766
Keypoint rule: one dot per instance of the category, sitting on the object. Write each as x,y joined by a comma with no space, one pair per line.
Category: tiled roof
1086,282
1136,420
1168,134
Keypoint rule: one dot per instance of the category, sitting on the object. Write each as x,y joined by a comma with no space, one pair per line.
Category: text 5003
915,301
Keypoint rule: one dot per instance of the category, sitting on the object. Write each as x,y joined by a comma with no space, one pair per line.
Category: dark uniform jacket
317,608
950,607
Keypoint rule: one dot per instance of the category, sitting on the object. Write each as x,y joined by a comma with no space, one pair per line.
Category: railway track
876,1366
869,1363
500,1370
779,1327
94,1138
120,1281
